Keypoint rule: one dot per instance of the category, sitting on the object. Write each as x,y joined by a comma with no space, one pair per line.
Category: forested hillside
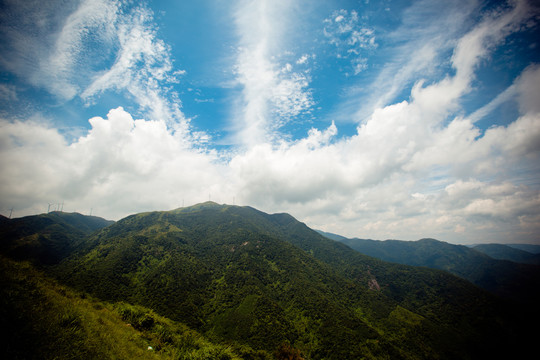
513,281
46,238
506,252
267,286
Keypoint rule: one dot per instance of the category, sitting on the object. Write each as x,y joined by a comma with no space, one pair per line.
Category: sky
371,119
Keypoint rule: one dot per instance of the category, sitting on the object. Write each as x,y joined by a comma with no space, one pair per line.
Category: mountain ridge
48,237
511,280
265,281
506,252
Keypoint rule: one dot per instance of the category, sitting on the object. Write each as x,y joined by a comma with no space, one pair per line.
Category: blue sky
374,119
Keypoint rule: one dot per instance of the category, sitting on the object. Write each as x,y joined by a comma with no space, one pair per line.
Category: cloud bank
412,169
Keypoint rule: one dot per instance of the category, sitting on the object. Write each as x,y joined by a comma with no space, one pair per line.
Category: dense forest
487,266
228,282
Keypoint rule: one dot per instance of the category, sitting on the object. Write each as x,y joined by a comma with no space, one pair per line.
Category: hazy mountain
533,249
518,282
47,238
505,252
268,287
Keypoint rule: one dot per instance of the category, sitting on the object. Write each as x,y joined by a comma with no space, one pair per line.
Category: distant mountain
505,252
518,282
533,249
46,238
332,236
266,286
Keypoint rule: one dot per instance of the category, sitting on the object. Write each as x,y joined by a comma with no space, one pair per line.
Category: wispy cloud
8,93
417,48
143,67
47,44
272,92
93,47
89,27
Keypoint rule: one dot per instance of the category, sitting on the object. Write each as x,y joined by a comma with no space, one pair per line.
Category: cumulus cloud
412,169
391,177
121,166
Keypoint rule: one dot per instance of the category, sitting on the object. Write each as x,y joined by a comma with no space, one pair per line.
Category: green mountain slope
41,319
267,281
505,252
518,282
46,238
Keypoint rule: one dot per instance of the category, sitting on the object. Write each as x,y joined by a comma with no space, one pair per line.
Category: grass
41,319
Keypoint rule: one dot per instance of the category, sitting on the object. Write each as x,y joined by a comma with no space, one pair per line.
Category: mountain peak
203,205
209,203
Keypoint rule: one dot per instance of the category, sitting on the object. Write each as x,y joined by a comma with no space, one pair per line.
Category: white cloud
358,186
8,93
45,43
303,59
121,166
413,169
528,88
416,49
270,97
90,47
143,68
505,96
92,23
350,38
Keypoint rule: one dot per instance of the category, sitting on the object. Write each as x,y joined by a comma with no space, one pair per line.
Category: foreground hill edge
235,265
65,323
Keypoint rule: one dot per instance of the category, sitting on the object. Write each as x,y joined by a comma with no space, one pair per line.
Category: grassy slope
42,319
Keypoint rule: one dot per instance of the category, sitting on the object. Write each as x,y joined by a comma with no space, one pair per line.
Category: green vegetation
215,281
516,282
46,238
42,319
505,252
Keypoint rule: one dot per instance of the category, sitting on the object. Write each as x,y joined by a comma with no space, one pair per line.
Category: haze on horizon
372,119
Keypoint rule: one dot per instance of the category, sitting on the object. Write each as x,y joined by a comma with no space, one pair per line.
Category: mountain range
241,284
487,266
511,252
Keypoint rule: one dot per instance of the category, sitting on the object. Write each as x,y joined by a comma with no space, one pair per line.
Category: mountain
242,276
266,286
47,238
505,252
533,249
511,280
